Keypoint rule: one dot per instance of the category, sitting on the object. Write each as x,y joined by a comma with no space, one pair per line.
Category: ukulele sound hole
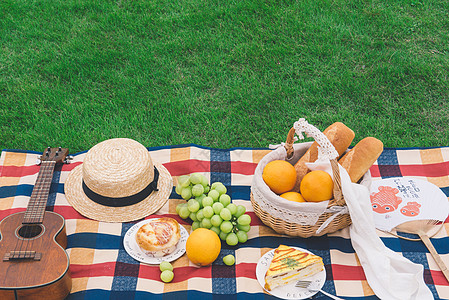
29,231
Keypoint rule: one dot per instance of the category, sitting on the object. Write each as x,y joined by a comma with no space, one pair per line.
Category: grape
178,207
225,214
184,180
214,195
184,212
196,225
206,189
229,260
197,190
200,215
214,185
232,208
240,211
205,223
186,193
207,201
167,276
221,189
193,205
178,189
193,217
223,236
232,239
226,226
204,181
208,212
216,230
165,265
245,228
200,199
225,199
244,220
242,236
195,178
217,206
216,220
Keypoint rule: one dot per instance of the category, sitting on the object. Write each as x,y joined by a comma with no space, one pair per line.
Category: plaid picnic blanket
101,268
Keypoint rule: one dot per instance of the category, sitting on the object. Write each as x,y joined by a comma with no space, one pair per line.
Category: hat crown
118,168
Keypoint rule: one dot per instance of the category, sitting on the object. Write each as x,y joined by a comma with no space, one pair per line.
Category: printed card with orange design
397,200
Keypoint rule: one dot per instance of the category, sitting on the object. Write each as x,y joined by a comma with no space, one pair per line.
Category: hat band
123,201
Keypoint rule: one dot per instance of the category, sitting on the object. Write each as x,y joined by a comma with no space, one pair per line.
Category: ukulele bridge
19,255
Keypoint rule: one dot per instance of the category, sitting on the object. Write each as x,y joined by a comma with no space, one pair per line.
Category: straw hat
118,182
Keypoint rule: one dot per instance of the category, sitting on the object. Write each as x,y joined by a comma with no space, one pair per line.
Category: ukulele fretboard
38,201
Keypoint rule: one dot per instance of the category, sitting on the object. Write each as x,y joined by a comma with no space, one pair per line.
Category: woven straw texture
117,168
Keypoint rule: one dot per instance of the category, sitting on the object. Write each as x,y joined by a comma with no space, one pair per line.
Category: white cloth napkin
390,275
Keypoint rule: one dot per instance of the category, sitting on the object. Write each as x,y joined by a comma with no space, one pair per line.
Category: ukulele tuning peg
38,161
68,159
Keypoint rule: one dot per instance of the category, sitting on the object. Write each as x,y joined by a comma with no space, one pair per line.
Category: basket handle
338,194
327,149
289,142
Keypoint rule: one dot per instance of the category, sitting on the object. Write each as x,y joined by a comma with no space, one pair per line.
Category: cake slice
289,264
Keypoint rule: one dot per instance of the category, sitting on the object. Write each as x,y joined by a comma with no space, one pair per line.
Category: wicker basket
336,213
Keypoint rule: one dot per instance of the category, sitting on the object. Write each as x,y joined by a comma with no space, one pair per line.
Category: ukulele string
24,231
39,205
30,212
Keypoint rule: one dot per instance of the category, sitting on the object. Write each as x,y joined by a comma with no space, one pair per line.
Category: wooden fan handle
435,254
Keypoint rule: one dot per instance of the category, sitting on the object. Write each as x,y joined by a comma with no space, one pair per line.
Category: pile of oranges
315,186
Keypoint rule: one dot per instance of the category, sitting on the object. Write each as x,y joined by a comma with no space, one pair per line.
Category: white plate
133,249
288,291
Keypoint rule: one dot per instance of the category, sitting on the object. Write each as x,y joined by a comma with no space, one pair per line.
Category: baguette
338,134
359,159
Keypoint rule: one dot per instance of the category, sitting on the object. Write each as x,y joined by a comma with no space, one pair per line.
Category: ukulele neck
34,213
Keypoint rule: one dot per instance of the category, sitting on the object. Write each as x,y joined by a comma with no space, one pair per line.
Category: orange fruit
317,186
203,246
280,176
293,196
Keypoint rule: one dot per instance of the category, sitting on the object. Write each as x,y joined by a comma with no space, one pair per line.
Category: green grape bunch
208,206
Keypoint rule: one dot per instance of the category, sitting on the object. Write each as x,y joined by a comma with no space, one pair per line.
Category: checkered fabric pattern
101,268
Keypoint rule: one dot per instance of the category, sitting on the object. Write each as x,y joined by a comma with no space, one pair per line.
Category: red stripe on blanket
183,167
94,270
68,212
255,221
179,168
429,170
7,212
438,278
374,170
247,270
341,272
14,171
244,168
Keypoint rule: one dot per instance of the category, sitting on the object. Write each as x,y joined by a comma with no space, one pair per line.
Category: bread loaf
338,134
359,159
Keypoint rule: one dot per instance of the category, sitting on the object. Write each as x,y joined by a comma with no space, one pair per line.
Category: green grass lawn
221,73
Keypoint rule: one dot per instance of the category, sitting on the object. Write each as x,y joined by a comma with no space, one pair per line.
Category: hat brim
84,205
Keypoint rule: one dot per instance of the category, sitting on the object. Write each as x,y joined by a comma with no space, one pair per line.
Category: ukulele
33,260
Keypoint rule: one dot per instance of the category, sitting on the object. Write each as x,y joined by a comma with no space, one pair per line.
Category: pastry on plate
290,265
159,237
